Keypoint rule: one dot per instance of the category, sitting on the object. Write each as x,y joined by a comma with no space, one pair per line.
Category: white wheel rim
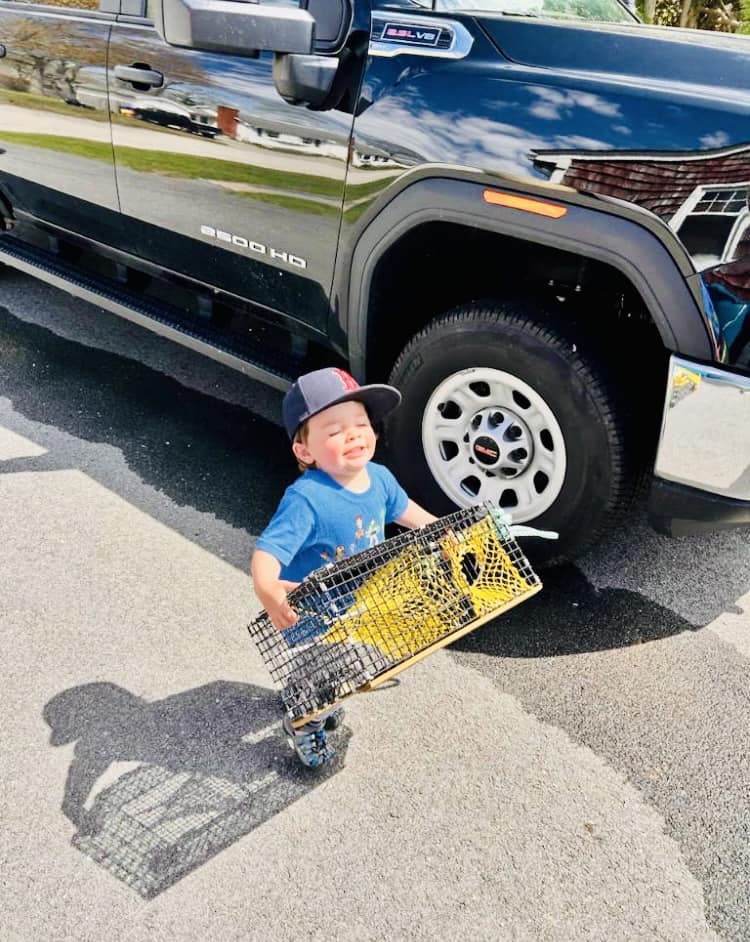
487,435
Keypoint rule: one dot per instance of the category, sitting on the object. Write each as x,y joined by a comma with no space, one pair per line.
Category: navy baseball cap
316,391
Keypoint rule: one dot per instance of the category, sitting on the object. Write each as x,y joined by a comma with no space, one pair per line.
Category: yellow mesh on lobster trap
372,615
416,598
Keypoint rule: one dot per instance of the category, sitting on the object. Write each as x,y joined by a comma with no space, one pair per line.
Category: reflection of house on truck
287,135
703,196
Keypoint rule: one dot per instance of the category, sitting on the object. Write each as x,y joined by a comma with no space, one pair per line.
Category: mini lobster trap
367,618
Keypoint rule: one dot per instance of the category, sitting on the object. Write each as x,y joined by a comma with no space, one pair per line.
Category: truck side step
164,319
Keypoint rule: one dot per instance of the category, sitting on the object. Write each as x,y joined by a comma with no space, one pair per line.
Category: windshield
603,11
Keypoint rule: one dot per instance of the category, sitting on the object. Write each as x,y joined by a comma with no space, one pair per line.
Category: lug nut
476,421
514,433
497,418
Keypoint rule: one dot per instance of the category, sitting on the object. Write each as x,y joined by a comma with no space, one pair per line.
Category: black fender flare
632,240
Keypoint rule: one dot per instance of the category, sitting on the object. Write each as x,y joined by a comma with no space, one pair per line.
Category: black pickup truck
529,215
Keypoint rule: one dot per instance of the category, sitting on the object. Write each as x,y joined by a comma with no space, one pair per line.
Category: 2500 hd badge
258,247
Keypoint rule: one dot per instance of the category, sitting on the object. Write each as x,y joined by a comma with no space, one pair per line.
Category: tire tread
629,476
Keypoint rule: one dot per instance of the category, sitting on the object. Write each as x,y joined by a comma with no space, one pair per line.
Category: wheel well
437,265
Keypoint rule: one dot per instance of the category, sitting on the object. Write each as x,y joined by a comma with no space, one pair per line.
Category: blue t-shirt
318,521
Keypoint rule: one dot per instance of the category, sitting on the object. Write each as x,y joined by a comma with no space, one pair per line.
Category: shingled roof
660,182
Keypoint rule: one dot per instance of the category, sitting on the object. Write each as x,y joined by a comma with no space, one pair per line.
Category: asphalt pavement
575,770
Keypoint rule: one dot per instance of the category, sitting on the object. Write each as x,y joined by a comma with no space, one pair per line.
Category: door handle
139,75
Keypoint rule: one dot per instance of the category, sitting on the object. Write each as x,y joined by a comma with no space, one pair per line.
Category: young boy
339,505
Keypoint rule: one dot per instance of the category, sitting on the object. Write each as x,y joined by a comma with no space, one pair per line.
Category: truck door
220,178
55,145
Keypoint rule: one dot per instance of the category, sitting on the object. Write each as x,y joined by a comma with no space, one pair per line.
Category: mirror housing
304,79
234,26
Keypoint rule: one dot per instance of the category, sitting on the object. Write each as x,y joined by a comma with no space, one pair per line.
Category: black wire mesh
364,616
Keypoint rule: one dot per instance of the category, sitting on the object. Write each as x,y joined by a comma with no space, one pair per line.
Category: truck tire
500,405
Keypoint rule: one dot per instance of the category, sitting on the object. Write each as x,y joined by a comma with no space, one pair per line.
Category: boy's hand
271,590
277,605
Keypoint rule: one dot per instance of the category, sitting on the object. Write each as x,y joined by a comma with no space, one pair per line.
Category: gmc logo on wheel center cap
486,450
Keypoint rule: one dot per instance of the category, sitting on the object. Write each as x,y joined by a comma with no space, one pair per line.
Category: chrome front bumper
705,434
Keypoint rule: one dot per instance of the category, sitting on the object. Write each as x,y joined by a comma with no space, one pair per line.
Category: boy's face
340,440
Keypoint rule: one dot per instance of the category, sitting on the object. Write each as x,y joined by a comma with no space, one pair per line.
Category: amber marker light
552,210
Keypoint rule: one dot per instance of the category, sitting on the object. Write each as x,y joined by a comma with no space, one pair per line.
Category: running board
161,318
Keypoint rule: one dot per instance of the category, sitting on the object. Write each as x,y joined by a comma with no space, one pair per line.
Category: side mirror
304,79
233,26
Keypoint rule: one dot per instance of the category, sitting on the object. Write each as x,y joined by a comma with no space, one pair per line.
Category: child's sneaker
309,742
334,719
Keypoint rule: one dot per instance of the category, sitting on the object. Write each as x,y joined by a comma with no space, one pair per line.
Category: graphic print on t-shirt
364,537
319,522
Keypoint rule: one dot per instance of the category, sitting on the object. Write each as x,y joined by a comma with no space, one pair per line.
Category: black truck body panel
608,147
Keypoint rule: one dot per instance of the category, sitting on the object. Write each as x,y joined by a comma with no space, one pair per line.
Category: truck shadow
200,452
189,451
206,767
571,616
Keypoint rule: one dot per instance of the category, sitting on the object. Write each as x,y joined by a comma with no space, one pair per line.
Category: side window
712,222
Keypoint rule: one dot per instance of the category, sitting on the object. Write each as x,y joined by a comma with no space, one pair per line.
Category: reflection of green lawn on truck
49,105
192,167
352,209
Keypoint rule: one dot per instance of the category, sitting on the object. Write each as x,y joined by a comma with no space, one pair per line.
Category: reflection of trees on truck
44,61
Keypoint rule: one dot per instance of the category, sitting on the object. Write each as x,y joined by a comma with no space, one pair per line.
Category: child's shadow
213,765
